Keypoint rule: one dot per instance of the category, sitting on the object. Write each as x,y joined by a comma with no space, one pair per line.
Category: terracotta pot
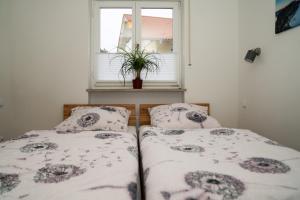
137,83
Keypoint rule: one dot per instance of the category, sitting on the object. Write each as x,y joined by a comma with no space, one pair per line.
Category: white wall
49,61
6,112
270,87
213,76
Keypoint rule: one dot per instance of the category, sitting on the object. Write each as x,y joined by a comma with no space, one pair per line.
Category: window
153,25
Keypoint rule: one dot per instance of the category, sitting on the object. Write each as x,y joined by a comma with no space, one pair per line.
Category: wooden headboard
131,107
145,117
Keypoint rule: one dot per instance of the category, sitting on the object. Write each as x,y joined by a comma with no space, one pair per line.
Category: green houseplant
135,62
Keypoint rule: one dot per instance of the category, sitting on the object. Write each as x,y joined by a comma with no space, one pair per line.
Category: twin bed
176,162
48,165
215,163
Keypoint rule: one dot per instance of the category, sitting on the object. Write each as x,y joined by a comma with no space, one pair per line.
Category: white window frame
136,7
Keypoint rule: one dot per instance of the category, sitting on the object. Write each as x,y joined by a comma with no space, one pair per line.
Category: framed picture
287,15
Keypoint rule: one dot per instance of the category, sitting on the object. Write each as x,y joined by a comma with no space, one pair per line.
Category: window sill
136,90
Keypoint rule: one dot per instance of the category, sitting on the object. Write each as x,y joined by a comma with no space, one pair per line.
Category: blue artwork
287,15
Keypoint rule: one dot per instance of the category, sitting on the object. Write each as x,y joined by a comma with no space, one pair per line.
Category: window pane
167,69
109,66
157,30
115,29
156,35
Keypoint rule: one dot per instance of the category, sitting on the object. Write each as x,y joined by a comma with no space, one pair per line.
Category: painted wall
213,76
270,87
49,62
6,112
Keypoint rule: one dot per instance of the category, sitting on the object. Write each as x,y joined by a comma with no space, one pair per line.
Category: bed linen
182,116
217,164
87,165
105,118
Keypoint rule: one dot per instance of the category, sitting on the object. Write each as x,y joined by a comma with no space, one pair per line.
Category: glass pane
167,69
115,29
108,68
157,30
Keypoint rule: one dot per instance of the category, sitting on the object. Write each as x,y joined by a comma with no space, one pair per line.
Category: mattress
221,164
87,165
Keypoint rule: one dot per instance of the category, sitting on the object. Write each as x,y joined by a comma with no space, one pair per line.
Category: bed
45,164
215,164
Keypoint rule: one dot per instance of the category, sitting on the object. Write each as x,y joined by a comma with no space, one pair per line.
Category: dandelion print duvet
217,164
87,165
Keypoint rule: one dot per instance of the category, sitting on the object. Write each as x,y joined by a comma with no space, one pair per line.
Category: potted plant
135,62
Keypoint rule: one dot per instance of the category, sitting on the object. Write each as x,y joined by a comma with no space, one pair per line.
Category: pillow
106,118
182,116
122,110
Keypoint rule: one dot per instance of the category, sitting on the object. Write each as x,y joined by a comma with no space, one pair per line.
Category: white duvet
217,164
44,165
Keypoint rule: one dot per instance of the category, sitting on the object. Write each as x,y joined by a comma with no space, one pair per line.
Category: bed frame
145,117
132,118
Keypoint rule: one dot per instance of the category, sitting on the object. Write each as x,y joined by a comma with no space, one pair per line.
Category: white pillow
182,116
95,118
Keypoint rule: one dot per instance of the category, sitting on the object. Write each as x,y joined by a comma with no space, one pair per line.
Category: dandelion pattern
66,163
57,173
212,163
95,119
179,109
222,131
8,182
181,116
88,119
38,147
188,148
25,136
265,165
148,134
132,189
107,135
108,108
196,117
133,151
173,132
166,195
226,186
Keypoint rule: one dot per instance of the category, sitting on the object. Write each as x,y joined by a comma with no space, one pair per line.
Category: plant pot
137,83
